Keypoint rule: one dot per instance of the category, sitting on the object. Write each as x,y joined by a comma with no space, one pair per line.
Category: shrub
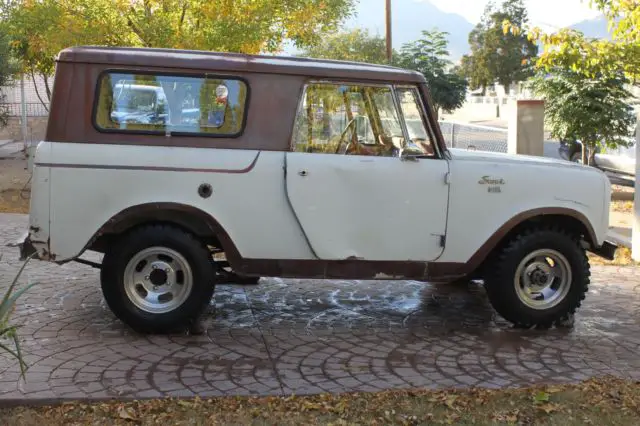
9,341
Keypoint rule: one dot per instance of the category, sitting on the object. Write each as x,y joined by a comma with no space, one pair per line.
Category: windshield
130,99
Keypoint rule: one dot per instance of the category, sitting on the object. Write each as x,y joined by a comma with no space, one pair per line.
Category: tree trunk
35,86
46,86
326,119
592,155
588,154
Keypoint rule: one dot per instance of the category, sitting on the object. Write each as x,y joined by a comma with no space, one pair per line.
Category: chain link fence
475,137
34,109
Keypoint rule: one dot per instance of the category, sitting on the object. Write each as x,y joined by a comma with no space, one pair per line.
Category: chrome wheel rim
158,280
543,279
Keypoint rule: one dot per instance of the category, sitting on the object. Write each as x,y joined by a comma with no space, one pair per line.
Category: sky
547,13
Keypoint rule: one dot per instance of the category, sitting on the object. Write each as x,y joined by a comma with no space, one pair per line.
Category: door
352,194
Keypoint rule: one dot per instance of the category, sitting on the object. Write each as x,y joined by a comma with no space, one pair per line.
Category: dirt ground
14,185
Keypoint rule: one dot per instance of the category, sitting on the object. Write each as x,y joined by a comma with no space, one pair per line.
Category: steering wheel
343,134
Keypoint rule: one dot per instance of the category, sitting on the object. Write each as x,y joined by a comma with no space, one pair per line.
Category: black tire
500,277
576,157
127,246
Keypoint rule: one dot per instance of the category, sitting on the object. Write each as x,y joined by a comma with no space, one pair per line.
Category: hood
502,158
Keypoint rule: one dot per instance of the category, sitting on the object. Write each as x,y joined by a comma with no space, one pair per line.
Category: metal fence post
24,113
635,232
453,135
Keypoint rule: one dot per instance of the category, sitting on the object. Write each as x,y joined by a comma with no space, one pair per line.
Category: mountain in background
411,17
595,28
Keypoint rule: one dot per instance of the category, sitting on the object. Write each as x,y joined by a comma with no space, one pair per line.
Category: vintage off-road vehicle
293,167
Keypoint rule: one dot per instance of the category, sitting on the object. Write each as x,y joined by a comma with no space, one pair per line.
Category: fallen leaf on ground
549,408
126,413
541,397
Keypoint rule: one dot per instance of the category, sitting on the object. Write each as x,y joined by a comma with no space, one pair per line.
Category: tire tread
158,232
498,274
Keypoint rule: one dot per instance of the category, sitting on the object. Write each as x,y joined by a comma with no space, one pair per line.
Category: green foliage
8,68
570,49
355,45
430,56
586,78
8,332
594,111
238,26
39,29
497,56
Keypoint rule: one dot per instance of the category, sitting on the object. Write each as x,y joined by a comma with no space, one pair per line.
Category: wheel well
189,219
565,222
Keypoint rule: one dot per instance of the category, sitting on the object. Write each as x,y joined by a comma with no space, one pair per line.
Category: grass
600,401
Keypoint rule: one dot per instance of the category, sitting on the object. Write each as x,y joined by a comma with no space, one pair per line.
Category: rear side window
167,104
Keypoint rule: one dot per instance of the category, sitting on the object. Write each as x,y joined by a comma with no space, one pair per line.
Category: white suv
289,167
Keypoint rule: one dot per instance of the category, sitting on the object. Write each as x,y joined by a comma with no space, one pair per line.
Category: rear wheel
157,279
539,278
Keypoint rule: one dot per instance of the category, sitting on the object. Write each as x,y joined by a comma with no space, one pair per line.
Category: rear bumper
25,247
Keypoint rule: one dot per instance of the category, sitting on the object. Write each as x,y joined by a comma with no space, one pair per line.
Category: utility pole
388,15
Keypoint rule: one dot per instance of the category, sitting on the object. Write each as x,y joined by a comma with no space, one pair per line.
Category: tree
8,69
355,45
570,49
39,29
592,110
497,56
586,91
429,56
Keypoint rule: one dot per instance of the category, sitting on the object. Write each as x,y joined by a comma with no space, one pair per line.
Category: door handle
303,173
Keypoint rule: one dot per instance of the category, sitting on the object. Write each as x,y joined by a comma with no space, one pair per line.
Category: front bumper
606,251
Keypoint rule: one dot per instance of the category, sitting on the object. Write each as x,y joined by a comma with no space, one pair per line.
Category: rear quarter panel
96,182
39,224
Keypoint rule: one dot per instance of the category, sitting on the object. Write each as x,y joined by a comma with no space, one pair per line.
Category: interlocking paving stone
305,336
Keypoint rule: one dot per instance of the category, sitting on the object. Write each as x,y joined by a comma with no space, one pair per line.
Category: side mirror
410,153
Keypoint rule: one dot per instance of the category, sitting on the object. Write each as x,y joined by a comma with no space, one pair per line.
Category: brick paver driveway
297,336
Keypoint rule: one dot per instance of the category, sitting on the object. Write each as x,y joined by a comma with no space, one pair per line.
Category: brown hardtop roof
238,62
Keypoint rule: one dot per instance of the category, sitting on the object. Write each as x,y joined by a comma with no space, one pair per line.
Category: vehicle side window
129,102
348,119
410,105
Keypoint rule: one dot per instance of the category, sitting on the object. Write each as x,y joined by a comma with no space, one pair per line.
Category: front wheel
157,278
540,278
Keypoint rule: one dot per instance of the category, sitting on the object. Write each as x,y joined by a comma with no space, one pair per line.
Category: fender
188,217
446,270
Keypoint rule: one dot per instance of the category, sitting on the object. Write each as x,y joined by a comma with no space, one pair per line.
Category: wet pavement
305,336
